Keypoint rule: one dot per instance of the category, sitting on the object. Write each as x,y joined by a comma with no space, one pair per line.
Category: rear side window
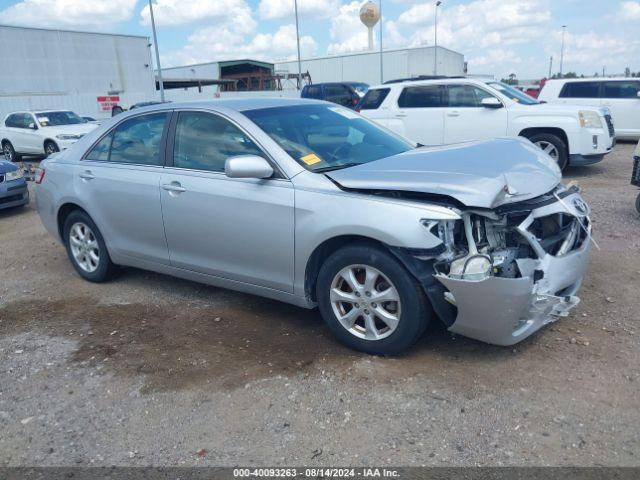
12,121
204,141
138,140
621,89
580,90
100,151
426,96
374,98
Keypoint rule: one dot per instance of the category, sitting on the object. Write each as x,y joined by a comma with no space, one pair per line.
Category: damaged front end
508,271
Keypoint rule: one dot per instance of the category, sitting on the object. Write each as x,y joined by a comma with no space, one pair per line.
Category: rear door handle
87,175
401,115
174,187
453,113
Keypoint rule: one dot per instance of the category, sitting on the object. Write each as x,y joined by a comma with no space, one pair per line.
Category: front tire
9,152
554,146
370,301
638,203
86,248
50,148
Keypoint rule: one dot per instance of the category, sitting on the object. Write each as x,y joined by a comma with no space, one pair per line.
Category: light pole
155,44
435,39
381,75
564,27
295,3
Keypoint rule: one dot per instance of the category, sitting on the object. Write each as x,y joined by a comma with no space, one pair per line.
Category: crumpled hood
483,174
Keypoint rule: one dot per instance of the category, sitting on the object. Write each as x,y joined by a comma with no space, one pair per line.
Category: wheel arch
63,213
326,249
46,140
557,131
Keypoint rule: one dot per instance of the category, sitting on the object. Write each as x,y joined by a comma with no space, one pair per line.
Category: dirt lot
151,370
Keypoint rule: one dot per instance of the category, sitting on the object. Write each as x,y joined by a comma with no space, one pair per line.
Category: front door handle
87,175
174,187
401,115
453,113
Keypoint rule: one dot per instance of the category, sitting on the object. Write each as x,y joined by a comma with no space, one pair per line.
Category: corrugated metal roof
22,27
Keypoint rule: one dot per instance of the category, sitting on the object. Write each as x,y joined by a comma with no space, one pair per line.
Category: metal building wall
58,69
365,67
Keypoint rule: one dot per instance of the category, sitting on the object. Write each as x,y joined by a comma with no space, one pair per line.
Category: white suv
451,110
620,95
41,133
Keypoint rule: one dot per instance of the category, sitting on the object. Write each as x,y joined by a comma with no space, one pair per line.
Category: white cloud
271,9
629,11
182,12
592,51
222,43
421,13
485,63
347,32
68,13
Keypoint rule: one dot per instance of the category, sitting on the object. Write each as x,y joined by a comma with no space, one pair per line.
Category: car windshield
513,93
325,137
54,119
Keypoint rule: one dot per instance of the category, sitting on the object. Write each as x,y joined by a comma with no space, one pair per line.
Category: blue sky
496,36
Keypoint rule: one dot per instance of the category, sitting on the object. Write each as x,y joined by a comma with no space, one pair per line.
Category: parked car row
310,203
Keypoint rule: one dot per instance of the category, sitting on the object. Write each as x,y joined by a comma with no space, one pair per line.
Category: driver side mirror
32,126
247,166
491,102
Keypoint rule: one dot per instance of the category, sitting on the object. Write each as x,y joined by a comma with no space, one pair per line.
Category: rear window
621,89
373,99
313,91
425,96
581,90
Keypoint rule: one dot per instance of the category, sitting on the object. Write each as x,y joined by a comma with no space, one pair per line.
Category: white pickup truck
450,110
41,132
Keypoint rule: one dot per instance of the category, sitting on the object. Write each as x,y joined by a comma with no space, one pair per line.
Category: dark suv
346,94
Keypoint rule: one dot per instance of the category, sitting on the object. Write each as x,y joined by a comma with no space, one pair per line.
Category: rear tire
50,148
9,152
383,327
554,146
638,203
86,248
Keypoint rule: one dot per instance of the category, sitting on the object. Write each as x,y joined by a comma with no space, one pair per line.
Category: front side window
424,96
339,94
580,90
204,141
138,140
55,119
461,96
324,137
621,89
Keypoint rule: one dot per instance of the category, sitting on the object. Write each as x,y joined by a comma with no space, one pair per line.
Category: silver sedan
309,203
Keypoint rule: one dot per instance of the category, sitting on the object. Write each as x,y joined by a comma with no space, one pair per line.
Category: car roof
238,104
593,79
432,81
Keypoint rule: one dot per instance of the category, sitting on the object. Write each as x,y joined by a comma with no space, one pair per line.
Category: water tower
369,15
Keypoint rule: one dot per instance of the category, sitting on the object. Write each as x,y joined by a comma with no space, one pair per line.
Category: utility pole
155,44
564,28
435,39
295,3
550,65
381,69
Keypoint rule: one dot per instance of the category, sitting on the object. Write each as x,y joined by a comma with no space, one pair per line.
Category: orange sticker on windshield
311,159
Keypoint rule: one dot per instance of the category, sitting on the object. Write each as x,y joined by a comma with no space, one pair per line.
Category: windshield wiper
336,167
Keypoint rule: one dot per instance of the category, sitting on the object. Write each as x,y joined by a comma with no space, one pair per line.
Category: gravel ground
152,370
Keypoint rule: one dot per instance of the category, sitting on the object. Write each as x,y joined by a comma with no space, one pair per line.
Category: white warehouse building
79,71
365,66
252,77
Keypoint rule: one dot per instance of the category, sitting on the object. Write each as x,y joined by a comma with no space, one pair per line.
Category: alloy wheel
84,247
8,154
549,148
365,302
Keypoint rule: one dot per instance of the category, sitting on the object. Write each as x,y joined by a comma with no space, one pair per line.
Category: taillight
39,176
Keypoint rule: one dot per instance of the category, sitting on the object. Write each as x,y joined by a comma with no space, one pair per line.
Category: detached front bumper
504,311
13,193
